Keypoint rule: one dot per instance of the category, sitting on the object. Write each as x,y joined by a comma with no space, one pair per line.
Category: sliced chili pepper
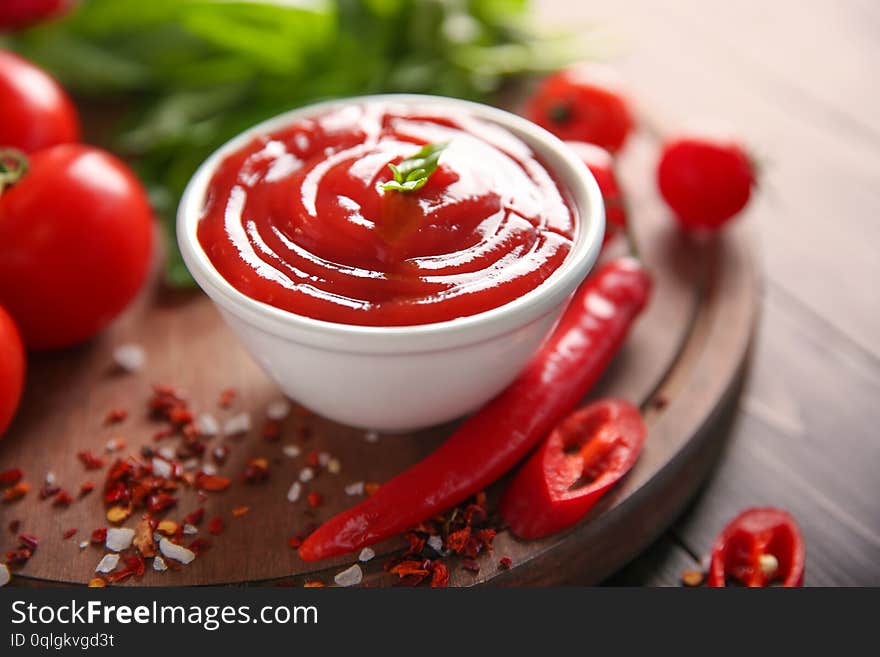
759,547
584,456
493,440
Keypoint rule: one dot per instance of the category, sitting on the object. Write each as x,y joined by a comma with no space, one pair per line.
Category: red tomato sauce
298,218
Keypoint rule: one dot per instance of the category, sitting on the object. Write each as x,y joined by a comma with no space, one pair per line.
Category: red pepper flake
161,502
410,567
10,477
226,398
14,525
212,483
504,563
313,584
115,416
200,545
90,460
257,471
692,578
272,431
315,499
457,540
313,459
416,542
97,583
215,526
439,575
62,498
86,488
485,537
239,511
99,536
49,490
17,491
195,517
19,556
69,533
370,488
135,563
29,541
295,541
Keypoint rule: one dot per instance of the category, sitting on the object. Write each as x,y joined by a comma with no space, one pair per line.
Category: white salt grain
176,552
290,451
366,554
323,459
83,545
436,544
159,564
278,410
119,538
191,464
130,357
207,425
237,424
166,452
294,492
4,575
50,478
372,436
350,576
107,564
162,468
190,530
209,469
355,488
306,474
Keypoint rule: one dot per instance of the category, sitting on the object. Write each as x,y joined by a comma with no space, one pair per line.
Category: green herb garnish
413,172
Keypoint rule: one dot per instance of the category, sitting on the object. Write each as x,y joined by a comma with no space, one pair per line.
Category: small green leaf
413,172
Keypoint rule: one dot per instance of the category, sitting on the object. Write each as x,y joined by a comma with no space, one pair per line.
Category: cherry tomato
76,238
12,368
705,180
601,164
583,103
35,112
18,14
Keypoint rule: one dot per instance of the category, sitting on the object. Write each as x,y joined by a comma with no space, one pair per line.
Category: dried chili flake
16,491
14,525
99,536
475,514
161,502
216,526
212,483
410,567
256,471
18,556
136,564
195,517
90,460
48,490
86,488
116,492
504,563
692,578
271,430
295,541
457,540
69,533
167,527
29,541
226,397
11,476
143,538
416,542
313,459
439,575
118,514
115,444
370,488
62,498
97,583
200,545
315,499
115,416
239,511
314,584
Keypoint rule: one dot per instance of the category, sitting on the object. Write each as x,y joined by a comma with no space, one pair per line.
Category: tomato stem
13,166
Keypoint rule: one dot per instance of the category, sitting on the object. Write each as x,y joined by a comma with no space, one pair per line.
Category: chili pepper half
493,440
758,548
584,456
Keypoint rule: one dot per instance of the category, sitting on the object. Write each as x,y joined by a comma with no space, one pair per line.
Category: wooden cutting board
681,364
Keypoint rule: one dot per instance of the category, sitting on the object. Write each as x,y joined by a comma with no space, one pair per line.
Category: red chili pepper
584,456
759,547
493,440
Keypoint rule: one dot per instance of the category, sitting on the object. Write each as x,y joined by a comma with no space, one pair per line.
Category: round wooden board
680,363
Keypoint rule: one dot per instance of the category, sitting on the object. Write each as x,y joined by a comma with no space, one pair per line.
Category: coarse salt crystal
50,478
435,543
237,424
294,492
350,576
366,554
130,357
114,444
175,551
306,474
355,488
107,564
323,459
166,452
83,545
207,425
159,564
334,466
162,468
372,436
209,469
278,410
191,464
4,575
119,538
291,451
190,530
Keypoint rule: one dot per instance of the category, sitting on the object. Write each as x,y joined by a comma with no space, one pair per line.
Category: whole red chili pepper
493,440
587,453
759,547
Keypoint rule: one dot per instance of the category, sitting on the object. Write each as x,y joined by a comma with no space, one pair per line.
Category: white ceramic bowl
403,377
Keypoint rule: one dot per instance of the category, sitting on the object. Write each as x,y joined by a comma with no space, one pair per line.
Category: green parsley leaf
413,172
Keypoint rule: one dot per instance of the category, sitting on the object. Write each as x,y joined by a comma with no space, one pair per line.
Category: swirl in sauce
298,219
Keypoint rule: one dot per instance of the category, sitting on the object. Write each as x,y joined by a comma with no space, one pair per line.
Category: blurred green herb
191,74
413,172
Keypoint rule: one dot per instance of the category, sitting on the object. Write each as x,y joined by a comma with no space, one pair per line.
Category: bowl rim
561,161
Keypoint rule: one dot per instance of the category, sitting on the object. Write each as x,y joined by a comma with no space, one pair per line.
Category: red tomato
35,112
601,165
583,103
705,180
76,238
18,14
12,368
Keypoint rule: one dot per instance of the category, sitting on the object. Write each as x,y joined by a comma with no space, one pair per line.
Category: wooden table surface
796,81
